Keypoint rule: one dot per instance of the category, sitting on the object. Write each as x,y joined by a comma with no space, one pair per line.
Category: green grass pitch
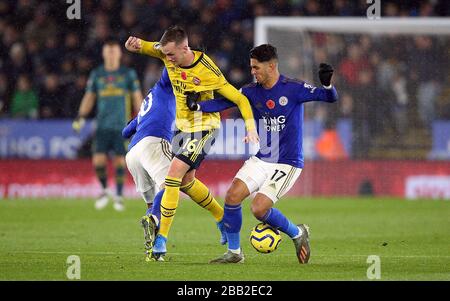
411,238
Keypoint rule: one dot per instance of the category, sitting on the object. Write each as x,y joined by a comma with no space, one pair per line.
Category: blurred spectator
362,114
281,7
311,8
399,89
426,9
72,45
24,101
329,145
390,10
74,93
342,8
425,70
351,67
19,62
237,77
10,35
98,34
346,105
4,93
51,54
68,76
401,74
41,26
130,23
23,12
51,98
152,74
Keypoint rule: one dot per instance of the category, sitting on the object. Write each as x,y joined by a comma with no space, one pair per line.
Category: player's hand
252,136
325,74
78,124
191,100
133,44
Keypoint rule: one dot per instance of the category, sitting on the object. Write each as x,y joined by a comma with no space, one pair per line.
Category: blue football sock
232,219
277,220
149,210
156,208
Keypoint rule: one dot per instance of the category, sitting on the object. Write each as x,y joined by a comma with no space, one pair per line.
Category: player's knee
177,169
233,197
258,210
188,178
260,207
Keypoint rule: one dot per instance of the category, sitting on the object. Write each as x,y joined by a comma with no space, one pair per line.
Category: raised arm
207,106
136,45
310,93
328,93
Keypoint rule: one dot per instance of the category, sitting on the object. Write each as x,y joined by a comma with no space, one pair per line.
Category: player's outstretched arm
133,44
215,105
209,106
310,93
137,45
232,94
328,93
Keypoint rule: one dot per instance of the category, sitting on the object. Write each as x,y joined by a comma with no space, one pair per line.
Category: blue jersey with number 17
156,115
278,111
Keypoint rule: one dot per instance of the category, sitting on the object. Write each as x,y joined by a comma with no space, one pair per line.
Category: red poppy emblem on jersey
183,75
270,104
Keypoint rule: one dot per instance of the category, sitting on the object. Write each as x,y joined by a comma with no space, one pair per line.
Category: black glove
325,73
191,100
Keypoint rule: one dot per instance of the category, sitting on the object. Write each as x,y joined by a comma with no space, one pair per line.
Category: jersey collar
195,62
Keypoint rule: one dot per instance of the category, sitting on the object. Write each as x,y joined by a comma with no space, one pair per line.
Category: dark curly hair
264,53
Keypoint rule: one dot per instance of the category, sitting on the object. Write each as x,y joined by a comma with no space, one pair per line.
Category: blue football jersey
279,115
156,115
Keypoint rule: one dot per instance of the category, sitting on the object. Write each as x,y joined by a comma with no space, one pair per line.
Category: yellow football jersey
202,76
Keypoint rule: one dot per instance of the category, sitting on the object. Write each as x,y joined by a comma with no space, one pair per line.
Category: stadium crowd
45,58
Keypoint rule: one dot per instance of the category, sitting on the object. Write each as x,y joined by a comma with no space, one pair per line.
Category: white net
392,76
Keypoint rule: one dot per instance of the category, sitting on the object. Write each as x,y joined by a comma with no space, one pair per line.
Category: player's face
112,53
175,53
260,70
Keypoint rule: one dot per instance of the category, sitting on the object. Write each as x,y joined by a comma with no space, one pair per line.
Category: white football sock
300,232
237,251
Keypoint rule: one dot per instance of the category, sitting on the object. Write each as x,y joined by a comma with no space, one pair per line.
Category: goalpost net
391,74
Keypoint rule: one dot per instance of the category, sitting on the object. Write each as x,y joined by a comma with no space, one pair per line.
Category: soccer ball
264,238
